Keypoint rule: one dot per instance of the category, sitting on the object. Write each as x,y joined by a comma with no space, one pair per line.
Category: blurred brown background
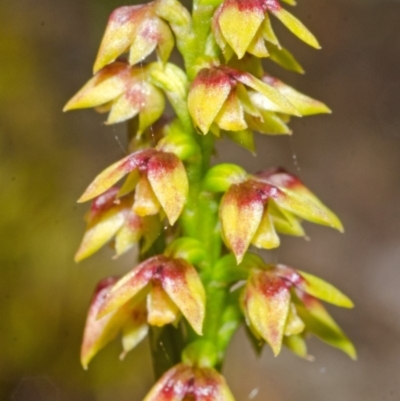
350,159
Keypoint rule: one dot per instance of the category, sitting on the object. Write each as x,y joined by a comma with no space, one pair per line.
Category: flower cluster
195,224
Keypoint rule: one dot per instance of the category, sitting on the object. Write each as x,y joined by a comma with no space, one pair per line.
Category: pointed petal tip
337,224
97,66
350,351
198,329
78,257
239,257
85,359
69,106
83,199
276,350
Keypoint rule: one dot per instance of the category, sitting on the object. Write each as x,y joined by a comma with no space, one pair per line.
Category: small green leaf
201,352
177,141
220,177
189,249
227,270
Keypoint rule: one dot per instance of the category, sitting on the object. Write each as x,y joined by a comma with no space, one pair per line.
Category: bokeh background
351,159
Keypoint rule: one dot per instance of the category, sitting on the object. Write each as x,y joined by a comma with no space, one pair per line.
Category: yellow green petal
326,292
296,27
239,24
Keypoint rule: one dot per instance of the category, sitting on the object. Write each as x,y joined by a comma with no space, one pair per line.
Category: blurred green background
350,159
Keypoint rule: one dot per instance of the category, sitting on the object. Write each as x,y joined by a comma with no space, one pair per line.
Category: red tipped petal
266,303
99,332
105,86
114,173
182,283
130,285
173,385
168,179
208,93
209,385
120,32
241,211
239,22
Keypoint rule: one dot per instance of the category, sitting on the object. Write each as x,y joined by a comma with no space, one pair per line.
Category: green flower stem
216,300
199,221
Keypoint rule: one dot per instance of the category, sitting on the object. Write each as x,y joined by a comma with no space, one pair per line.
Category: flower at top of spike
242,26
136,29
186,382
169,284
159,178
254,207
218,98
111,216
130,319
125,92
280,304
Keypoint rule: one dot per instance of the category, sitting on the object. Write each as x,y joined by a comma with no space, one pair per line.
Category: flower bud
171,285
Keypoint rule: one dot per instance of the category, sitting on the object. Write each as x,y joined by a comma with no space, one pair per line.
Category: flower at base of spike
218,99
112,217
137,29
171,286
280,305
186,382
242,26
125,92
129,319
159,178
253,210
